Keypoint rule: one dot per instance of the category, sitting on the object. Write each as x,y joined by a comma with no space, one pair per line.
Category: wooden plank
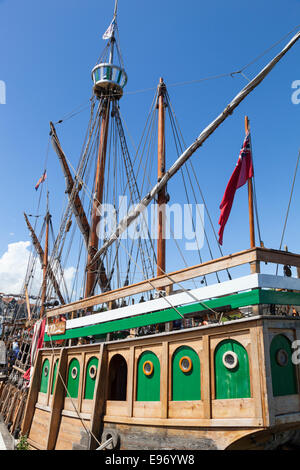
186,409
99,397
237,259
245,283
32,395
255,372
243,299
130,383
206,377
183,298
181,422
58,400
164,382
265,374
208,267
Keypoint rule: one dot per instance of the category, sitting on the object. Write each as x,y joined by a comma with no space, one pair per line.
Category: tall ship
204,356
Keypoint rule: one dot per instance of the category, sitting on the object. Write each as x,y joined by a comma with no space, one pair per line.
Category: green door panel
54,376
73,378
232,383
284,375
90,379
186,385
45,376
148,386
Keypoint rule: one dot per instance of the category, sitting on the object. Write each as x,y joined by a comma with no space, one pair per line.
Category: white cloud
13,267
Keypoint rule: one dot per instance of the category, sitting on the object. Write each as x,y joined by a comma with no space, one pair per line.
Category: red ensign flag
41,180
242,172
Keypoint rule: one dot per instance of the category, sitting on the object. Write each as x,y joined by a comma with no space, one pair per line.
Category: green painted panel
283,376
186,385
232,383
73,382
45,376
90,381
148,387
254,297
54,376
119,76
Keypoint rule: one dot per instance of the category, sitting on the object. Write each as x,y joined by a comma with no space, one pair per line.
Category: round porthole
74,373
230,360
46,371
148,368
185,364
282,357
93,372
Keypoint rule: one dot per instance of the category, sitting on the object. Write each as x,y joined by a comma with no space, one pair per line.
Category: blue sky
47,51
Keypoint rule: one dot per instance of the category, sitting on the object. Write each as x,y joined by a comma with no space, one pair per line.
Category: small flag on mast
41,180
110,30
242,172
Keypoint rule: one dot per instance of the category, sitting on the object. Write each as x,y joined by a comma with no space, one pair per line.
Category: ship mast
109,79
41,254
161,197
250,197
45,263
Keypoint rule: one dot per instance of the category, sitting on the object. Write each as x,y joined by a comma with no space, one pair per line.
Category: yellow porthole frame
148,372
92,371
184,370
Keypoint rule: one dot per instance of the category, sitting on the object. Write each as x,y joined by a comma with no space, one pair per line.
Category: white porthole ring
230,360
74,373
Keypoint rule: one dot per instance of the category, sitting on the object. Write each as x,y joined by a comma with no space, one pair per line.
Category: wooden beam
57,401
32,395
99,396
226,262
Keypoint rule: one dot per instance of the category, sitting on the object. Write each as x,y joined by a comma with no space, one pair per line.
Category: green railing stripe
253,297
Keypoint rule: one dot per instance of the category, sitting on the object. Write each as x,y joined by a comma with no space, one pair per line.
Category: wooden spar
124,224
161,197
92,268
45,267
252,255
250,198
75,200
27,303
77,207
40,252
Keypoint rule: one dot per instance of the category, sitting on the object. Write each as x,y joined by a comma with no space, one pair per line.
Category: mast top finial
116,9
109,75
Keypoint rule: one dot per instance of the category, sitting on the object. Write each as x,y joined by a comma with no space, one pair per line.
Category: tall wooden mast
250,197
106,90
41,254
92,270
161,197
45,266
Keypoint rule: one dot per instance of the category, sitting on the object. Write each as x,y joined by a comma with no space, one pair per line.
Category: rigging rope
289,205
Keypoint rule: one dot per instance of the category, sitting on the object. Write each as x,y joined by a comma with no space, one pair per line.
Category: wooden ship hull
220,386
231,383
